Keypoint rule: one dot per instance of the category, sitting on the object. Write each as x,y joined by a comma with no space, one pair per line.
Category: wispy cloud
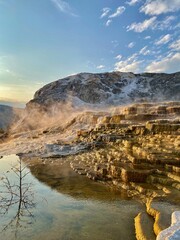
175,46
147,37
144,51
118,12
118,57
64,7
163,39
166,23
109,21
105,12
131,44
142,26
157,7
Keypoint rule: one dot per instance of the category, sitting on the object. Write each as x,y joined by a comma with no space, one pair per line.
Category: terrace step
144,227
161,212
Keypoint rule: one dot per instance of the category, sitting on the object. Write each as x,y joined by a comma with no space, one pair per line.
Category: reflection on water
64,180
16,196
70,206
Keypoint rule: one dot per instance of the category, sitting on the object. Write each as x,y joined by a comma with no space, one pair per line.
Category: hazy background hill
8,116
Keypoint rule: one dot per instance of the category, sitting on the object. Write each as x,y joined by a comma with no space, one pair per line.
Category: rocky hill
108,88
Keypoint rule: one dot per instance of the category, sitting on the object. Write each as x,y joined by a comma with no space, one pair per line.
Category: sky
45,40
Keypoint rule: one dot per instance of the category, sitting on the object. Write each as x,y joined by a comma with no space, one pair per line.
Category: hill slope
109,88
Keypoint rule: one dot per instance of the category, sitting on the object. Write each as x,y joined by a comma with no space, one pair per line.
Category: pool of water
62,205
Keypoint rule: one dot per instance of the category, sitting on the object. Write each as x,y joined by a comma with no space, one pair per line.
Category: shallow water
67,206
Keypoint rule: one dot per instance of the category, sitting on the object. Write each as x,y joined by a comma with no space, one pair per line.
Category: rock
130,175
130,110
117,118
175,109
162,127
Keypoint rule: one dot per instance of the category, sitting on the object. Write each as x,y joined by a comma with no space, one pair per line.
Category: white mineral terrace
173,232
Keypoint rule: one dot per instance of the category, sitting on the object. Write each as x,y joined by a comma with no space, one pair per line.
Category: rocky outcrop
108,89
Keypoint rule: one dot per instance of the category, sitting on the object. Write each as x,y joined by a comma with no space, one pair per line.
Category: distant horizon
12,103
45,40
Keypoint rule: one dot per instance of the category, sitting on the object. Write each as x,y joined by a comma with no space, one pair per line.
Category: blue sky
44,40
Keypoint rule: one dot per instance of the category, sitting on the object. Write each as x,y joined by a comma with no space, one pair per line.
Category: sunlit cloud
142,26
163,39
131,64
170,63
157,7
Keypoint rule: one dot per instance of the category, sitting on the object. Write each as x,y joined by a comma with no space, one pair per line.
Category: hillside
112,88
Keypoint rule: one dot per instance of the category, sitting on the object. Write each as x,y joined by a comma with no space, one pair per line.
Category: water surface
66,206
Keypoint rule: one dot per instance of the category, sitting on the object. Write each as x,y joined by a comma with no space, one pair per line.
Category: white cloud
156,7
170,63
153,23
118,57
108,22
144,51
64,7
131,44
163,39
128,67
166,23
100,67
131,64
133,2
118,12
175,45
105,12
147,37
142,26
